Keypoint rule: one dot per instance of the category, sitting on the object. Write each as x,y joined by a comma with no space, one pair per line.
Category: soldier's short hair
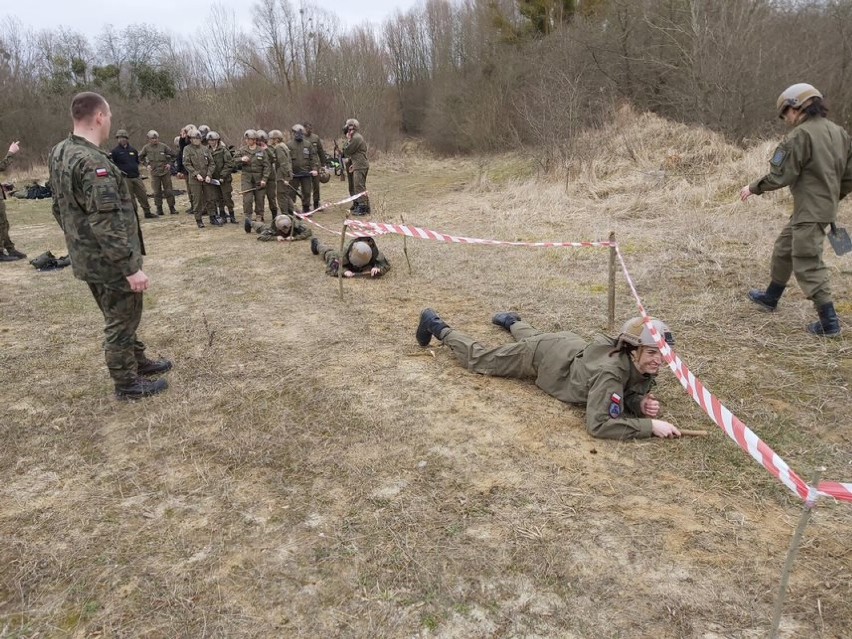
86,105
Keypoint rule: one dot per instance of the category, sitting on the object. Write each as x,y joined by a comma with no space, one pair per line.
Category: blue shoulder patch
615,406
778,157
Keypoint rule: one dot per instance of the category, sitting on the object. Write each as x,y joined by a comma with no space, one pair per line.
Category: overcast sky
172,14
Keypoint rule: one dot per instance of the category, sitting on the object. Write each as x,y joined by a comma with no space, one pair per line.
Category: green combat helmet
121,133
275,134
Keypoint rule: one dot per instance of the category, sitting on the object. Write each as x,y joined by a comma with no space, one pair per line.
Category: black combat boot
214,220
172,210
148,367
200,224
430,324
247,226
315,245
306,209
7,258
363,209
140,387
150,216
828,324
505,319
232,218
13,252
160,211
768,299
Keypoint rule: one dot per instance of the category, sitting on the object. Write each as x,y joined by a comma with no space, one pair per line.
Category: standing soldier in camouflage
126,158
223,169
284,228
91,203
815,161
284,171
255,173
8,252
358,165
271,182
612,377
305,165
159,157
360,257
199,164
316,142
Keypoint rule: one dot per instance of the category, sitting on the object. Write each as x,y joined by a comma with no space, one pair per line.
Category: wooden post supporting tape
405,247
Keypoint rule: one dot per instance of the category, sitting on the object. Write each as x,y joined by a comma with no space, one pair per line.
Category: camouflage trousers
359,185
161,185
122,312
283,195
304,186
5,240
252,200
138,194
315,186
271,192
329,256
798,251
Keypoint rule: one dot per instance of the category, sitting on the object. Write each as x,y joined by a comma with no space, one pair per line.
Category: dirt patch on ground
313,473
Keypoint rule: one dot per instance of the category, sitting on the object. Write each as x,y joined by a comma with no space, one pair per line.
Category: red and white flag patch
101,172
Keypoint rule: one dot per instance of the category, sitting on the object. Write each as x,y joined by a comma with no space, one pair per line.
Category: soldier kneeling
361,257
283,228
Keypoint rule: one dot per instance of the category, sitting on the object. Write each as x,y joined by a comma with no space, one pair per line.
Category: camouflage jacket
4,164
355,150
156,157
197,161
282,160
257,165
316,142
223,164
815,161
270,160
92,204
303,158
300,232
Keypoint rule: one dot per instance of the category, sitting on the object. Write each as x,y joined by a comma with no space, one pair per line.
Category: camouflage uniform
92,204
271,189
344,166
158,157
316,143
332,258
303,159
570,369
269,232
198,161
255,171
223,170
356,152
5,241
283,175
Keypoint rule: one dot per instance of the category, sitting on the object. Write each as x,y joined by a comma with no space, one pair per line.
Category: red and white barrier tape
379,228
307,216
730,423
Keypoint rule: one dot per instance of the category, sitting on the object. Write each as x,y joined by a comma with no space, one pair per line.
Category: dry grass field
313,473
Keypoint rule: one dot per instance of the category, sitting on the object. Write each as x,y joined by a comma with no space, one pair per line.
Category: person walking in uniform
284,228
305,165
8,252
271,189
316,142
92,204
199,164
223,170
159,158
255,173
126,158
360,257
612,377
283,172
815,161
357,164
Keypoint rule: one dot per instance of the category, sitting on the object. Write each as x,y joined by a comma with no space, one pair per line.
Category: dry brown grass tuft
313,473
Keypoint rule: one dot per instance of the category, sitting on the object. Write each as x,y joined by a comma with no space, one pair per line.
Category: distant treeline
468,76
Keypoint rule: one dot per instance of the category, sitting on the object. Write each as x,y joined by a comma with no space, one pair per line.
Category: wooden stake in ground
611,292
405,246
791,557
340,257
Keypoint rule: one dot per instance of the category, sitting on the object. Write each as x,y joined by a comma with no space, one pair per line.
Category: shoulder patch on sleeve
779,156
615,409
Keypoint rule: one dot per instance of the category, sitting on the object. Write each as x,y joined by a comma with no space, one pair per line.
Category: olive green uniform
198,161
91,203
344,166
359,165
5,241
269,232
159,157
332,258
254,171
316,143
303,160
283,175
223,170
271,189
570,369
815,161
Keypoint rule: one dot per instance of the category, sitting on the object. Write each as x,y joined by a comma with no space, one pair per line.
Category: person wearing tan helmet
361,257
283,171
357,164
284,228
271,189
815,161
255,169
158,157
612,377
